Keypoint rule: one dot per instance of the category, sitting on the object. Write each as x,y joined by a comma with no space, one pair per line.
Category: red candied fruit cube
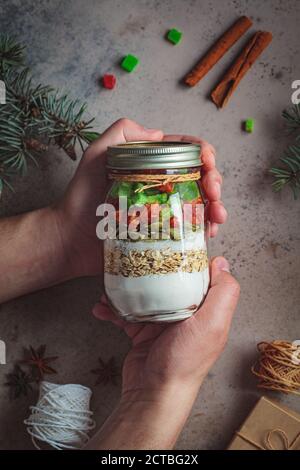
109,81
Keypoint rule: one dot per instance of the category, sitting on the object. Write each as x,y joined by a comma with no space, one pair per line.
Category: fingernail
222,264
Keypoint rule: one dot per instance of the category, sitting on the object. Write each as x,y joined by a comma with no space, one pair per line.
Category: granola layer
135,263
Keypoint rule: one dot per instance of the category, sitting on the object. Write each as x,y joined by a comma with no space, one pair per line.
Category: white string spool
61,417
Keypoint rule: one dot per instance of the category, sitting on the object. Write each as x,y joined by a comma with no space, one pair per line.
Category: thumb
122,131
216,313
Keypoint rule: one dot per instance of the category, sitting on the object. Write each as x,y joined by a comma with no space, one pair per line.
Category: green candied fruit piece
174,36
149,196
139,198
188,190
121,189
125,189
249,125
163,198
157,198
129,63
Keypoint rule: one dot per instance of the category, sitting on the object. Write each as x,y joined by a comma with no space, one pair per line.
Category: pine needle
34,115
288,173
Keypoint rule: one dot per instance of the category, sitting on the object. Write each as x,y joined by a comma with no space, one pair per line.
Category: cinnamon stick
218,50
259,41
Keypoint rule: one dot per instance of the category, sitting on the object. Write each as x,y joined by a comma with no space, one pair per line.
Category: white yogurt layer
145,295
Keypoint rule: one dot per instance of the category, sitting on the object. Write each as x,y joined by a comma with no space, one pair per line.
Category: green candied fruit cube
188,190
129,63
139,198
174,36
249,125
121,189
125,189
151,199
163,197
157,198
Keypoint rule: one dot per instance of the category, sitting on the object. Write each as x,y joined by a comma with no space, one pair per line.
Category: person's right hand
181,352
165,367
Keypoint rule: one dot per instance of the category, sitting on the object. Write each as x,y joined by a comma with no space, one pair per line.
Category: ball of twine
278,367
61,417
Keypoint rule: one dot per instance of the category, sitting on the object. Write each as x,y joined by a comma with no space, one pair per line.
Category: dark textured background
71,44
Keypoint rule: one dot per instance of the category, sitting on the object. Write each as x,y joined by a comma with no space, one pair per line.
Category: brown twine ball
278,367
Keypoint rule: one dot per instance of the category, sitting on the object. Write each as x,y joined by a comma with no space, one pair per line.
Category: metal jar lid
156,155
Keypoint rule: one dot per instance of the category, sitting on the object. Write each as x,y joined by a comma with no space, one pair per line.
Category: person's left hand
76,212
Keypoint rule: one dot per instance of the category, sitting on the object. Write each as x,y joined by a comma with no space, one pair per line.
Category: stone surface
71,44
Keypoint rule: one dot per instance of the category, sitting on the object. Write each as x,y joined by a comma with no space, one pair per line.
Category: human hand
164,369
76,212
181,351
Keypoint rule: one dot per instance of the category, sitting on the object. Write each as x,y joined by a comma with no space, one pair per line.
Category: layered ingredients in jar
158,269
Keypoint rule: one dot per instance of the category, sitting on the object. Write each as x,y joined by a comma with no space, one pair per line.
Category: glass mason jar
155,261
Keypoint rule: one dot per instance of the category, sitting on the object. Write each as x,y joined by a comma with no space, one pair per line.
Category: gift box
270,426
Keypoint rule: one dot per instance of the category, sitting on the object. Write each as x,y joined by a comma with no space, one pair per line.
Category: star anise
35,358
107,373
19,382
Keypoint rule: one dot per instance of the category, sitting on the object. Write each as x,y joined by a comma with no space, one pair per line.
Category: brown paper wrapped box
270,426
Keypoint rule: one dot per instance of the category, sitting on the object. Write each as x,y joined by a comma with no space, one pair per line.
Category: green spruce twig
34,117
11,53
288,173
292,117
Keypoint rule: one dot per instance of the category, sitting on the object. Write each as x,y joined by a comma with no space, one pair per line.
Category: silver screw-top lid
153,155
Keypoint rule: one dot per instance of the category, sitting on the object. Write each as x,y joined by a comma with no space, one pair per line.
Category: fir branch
12,158
61,119
21,94
288,173
17,143
11,53
34,117
5,174
292,117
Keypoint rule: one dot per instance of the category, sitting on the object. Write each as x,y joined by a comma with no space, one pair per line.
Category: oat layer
143,263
